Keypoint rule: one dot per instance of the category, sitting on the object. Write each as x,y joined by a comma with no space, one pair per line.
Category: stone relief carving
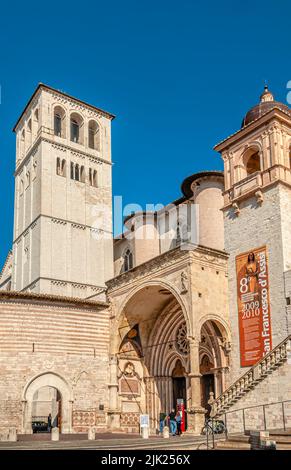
226,346
236,208
129,380
129,370
260,197
184,282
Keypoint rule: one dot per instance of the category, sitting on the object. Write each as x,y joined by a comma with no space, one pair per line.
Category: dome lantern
267,103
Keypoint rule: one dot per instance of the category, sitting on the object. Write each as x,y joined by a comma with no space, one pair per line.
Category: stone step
232,445
281,439
241,441
283,447
239,438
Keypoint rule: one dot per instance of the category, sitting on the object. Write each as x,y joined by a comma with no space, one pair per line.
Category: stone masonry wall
58,338
275,388
254,227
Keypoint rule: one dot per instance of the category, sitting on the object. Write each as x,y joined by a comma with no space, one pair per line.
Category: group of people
173,420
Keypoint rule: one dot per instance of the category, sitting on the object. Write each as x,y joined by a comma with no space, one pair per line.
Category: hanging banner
253,305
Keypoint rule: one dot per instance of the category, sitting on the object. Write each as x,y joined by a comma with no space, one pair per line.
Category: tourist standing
179,422
173,424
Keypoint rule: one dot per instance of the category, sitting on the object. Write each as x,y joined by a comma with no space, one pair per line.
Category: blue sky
178,75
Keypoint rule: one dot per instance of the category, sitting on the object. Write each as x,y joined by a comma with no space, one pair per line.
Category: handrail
255,365
257,406
263,406
249,376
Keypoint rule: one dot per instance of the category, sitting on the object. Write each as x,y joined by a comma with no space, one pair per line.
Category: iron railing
263,407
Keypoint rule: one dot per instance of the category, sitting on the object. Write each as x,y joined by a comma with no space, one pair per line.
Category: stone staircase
243,441
251,378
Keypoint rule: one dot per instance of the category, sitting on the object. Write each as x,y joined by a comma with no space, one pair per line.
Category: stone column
113,411
196,413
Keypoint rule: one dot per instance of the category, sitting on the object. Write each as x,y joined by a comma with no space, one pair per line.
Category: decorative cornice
59,221
67,98
168,259
277,112
60,146
23,296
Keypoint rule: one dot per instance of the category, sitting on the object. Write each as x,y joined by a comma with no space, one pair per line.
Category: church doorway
45,394
154,339
179,383
207,381
47,402
213,357
179,389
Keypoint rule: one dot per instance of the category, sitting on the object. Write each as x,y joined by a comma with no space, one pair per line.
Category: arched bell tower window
59,121
22,143
77,128
77,172
93,135
252,162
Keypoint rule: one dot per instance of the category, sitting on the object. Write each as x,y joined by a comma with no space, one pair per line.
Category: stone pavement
106,442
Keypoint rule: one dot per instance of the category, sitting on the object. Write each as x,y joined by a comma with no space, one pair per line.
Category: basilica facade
190,304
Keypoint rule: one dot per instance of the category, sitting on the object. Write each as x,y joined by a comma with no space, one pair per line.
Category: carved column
196,413
113,411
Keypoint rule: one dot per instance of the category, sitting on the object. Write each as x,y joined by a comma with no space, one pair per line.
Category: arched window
58,166
61,167
93,178
59,121
93,135
77,172
22,143
72,171
127,261
36,115
29,131
82,175
181,232
252,162
76,123
64,168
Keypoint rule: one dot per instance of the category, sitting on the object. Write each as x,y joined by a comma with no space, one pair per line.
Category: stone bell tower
63,217
257,221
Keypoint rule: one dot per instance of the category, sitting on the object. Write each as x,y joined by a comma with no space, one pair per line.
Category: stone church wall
254,227
44,338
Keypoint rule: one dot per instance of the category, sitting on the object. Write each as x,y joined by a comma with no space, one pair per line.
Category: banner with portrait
253,305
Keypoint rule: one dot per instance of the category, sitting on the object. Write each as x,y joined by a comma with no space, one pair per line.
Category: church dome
266,103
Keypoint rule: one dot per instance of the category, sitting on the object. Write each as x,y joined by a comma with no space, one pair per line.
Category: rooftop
47,87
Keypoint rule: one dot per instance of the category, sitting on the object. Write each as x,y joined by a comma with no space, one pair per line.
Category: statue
184,282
